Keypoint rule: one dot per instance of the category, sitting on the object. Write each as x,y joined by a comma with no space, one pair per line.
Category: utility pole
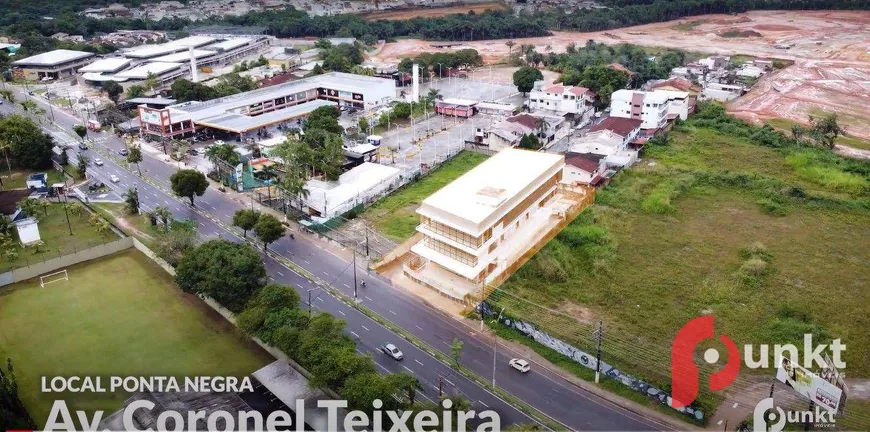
599,335
366,226
440,386
66,211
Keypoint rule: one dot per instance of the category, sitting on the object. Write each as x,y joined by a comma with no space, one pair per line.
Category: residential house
576,101
628,128
583,168
507,133
750,72
649,107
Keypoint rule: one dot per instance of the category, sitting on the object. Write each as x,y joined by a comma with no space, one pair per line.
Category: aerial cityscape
435,215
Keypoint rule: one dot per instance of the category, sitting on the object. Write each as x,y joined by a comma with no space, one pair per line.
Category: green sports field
120,315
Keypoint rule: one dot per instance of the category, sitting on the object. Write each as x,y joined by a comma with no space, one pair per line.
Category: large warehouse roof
183,56
141,72
238,123
53,58
106,65
229,44
148,51
192,41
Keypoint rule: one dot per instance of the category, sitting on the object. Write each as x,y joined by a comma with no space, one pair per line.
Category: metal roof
229,44
148,51
191,41
183,56
238,123
106,65
152,101
53,58
141,72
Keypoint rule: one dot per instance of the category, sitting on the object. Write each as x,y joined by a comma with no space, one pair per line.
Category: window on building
450,251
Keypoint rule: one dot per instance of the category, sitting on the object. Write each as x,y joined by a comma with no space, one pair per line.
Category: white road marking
393,313
354,333
365,328
368,298
279,273
407,368
306,262
346,286
448,382
320,298
342,313
421,328
481,402
418,362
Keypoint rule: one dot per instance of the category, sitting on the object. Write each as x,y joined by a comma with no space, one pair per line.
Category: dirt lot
831,55
433,12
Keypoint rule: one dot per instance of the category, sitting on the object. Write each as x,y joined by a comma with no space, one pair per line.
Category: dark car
123,152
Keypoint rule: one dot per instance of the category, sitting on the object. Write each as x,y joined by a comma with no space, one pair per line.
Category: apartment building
477,226
650,107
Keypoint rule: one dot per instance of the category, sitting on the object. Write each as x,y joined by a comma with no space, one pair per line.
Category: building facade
477,226
649,107
566,99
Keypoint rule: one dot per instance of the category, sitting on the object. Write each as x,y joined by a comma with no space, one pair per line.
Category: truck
94,125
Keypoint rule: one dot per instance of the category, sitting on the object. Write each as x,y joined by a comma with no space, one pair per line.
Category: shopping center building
259,109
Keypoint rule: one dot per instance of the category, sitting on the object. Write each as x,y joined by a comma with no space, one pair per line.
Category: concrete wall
54,264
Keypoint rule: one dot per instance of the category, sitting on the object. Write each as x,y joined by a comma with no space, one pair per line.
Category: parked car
98,162
114,178
520,365
123,152
391,350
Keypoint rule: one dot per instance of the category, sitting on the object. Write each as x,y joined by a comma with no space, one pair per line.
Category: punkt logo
765,412
685,374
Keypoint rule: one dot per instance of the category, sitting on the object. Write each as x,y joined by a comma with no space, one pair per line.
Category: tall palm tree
510,44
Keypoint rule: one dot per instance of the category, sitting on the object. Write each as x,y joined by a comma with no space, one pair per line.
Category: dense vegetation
25,144
13,414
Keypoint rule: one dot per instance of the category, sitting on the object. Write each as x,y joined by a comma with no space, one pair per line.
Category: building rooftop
649,97
351,185
334,80
191,41
141,71
53,58
559,89
183,56
457,101
588,162
229,44
148,51
474,200
106,65
618,125
239,123
151,101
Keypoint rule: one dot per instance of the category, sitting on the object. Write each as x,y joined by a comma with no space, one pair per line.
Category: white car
98,162
114,178
520,365
392,351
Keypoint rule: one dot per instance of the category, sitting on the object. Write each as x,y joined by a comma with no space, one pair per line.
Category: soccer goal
53,277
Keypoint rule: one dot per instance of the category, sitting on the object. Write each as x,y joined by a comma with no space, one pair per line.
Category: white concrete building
477,226
680,104
649,107
564,99
51,65
750,72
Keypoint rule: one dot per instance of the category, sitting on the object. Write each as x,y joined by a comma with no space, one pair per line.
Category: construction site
830,52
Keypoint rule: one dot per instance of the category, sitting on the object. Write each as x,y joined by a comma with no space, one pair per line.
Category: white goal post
53,277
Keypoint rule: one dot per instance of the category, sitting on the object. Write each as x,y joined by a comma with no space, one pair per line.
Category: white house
564,99
583,168
650,107
680,103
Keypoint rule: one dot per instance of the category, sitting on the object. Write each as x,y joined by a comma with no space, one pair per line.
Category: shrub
814,168
756,250
771,207
251,320
754,267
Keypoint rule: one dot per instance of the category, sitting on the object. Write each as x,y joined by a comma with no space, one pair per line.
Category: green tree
825,130
27,145
361,389
268,229
407,383
151,81
529,141
224,152
231,273
188,183
246,219
525,77
603,81
82,165
510,44
131,198
363,125
113,90
135,157
135,91
456,351
81,131
401,110
184,90
324,118
28,105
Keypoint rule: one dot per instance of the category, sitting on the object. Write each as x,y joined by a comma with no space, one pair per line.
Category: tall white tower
415,83
193,71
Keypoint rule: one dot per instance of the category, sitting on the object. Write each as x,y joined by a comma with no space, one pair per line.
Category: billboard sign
150,116
808,384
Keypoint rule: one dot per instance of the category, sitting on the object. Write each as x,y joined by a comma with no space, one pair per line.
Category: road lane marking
418,362
407,368
342,313
347,286
421,328
448,382
393,312
354,333
368,298
365,328
481,402
279,273
306,262
320,298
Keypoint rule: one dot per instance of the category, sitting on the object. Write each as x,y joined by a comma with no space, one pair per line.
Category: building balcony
428,231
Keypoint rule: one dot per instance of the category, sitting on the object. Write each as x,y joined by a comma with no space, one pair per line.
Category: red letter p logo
684,373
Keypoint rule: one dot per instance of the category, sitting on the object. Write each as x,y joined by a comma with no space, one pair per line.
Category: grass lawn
17,179
54,231
395,217
678,239
133,225
120,315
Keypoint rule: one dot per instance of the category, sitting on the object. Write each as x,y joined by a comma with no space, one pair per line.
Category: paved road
548,392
